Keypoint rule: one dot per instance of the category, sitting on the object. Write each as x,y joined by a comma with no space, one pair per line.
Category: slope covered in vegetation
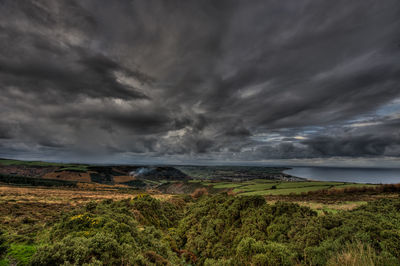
211,230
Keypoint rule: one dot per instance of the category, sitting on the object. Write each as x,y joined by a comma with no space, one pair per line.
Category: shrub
105,232
217,230
199,192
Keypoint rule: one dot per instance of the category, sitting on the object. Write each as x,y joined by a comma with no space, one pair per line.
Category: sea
354,175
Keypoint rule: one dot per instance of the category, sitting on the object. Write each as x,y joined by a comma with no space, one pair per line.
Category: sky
296,82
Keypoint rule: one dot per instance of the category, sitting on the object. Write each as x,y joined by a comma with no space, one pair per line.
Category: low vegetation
201,229
270,187
115,218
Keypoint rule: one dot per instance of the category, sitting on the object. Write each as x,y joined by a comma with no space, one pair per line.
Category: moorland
75,214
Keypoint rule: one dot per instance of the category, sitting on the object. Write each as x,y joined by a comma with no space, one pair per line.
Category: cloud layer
186,81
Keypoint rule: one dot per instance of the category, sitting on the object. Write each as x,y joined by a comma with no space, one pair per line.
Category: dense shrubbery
109,233
246,231
222,230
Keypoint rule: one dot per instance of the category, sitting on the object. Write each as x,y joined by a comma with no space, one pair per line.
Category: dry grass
70,196
333,207
68,176
123,178
354,255
25,211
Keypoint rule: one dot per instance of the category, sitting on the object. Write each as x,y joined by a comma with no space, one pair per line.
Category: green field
272,187
283,191
226,185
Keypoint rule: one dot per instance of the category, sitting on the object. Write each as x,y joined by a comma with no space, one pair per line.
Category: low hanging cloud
181,81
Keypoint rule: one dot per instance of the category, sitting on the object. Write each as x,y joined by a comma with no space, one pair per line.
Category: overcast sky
273,82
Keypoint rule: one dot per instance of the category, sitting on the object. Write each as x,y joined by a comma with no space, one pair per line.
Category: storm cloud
185,81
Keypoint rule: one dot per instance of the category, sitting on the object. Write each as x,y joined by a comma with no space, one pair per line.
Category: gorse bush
221,230
224,230
108,233
150,211
222,227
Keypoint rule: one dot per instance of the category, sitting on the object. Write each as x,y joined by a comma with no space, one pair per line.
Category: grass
195,181
77,168
322,208
258,186
227,185
284,185
355,254
21,253
345,185
274,187
286,191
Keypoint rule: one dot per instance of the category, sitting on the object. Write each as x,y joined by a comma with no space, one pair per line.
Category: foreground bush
108,233
220,227
224,230
221,230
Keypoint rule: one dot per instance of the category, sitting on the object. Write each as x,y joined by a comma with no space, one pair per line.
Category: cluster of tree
221,230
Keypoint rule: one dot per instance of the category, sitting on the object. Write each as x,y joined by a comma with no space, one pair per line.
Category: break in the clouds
200,81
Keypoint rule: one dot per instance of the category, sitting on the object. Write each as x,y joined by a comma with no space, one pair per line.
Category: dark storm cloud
92,75
374,140
218,79
381,139
364,145
5,132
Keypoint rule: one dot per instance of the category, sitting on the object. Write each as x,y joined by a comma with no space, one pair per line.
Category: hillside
159,215
56,227
135,175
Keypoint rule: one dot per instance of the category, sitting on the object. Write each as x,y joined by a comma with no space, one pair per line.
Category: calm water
356,175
